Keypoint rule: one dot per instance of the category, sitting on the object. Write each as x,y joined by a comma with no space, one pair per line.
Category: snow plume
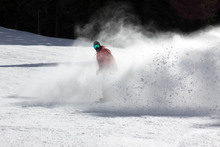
114,24
175,76
158,74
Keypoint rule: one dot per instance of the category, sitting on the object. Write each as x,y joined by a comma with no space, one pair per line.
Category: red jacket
105,59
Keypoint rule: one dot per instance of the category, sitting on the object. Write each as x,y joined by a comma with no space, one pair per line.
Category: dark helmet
97,46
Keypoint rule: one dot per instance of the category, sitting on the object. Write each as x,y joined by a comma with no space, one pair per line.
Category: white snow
165,93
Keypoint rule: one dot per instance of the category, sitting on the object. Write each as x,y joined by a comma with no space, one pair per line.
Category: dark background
58,18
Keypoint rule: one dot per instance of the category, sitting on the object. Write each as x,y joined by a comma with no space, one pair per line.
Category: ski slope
165,93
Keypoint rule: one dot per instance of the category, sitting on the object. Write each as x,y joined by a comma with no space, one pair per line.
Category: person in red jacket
104,57
107,66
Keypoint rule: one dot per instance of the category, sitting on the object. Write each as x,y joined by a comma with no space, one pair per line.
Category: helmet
97,46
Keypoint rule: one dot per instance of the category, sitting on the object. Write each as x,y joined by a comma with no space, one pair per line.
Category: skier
107,65
104,57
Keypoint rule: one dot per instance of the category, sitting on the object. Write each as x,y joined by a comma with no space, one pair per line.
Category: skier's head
97,46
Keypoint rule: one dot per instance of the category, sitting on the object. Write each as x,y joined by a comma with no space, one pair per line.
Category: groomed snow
165,93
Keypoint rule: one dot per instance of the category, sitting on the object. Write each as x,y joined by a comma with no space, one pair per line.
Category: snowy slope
166,92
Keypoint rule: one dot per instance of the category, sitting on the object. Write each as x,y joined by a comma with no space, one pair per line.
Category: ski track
34,113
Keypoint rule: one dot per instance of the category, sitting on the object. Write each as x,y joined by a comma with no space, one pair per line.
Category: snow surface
165,92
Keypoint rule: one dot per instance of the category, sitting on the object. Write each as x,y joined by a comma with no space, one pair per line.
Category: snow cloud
159,73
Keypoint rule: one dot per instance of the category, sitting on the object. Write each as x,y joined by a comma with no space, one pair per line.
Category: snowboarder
107,65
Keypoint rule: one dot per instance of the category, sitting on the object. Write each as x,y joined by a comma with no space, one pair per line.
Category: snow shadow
158,112
214,122
35,65
27,101
14,37
27,104
45,64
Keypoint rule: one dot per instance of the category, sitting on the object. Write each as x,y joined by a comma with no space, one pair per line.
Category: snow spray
158,74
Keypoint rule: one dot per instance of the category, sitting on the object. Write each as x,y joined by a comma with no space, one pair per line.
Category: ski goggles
96,46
